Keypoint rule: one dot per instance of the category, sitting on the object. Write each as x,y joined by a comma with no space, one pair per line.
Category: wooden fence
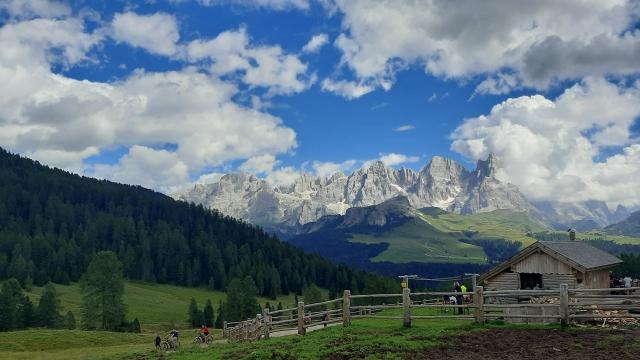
562,305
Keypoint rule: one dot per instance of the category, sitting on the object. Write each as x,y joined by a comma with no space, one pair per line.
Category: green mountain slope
418,241
498,224
395,232
157,306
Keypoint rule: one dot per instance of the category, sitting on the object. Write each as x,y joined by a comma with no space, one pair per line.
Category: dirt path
539,344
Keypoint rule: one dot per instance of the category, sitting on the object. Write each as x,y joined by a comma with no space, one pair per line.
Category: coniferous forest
52,222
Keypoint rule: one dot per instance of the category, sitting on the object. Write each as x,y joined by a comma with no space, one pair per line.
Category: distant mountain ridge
442,183
629,227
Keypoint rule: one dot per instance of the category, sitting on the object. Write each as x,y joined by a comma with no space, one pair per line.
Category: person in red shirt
204,332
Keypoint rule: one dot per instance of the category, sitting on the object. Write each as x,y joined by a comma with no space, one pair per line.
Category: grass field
158,307
70,344
434,236
417,240
360,337
502,224
364,339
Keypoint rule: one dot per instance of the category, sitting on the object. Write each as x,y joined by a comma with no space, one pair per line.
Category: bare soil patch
536,344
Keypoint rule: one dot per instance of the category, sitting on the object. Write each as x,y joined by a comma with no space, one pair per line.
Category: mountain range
442,183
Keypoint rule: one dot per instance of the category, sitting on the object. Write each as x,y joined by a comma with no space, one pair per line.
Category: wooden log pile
614,319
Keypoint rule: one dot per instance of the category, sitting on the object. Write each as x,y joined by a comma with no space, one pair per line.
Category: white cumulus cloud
394,159
63,121
555,149
157,33
538,42
259,65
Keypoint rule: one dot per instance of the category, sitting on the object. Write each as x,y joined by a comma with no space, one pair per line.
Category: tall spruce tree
49,308
250,306
219,323
102,289
208,314
193,313
8,304
69,321
16,309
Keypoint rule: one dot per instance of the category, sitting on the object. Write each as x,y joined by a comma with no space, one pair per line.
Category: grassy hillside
418,241
71,345
498,224
157,307
436,236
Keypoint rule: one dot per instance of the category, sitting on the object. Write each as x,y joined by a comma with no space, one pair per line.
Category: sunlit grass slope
157,306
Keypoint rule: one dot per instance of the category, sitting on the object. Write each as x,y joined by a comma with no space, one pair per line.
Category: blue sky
168,93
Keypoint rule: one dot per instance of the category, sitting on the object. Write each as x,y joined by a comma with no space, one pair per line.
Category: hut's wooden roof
577,254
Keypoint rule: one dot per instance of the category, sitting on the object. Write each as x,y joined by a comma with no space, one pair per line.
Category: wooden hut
547,264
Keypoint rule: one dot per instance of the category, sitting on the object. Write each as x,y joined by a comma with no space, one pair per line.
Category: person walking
459,298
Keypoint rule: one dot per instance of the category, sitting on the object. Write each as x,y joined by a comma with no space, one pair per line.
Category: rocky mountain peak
486,168
442,183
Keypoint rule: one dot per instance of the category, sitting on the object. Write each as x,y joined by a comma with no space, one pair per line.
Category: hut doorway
530,281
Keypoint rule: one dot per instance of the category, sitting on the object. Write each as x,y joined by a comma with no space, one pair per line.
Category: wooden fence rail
561,305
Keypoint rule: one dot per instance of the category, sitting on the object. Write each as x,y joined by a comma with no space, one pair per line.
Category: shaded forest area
52,222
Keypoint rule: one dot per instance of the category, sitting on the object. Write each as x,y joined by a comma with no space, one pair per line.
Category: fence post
564,304
224,329
406,307
346,308
265,323
301,329
478,298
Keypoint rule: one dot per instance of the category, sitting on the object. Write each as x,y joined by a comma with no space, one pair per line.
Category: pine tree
49,308
208,314
219,323
193,313
250,306
28,313
7,307
102,288
135,326
70,321
233,309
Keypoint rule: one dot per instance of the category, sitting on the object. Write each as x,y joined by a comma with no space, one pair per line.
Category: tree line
102,287
52,223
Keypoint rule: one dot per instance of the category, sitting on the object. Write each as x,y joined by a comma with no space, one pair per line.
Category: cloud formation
157,33
539,42
63,121
257,65
316,43
555,149
394,159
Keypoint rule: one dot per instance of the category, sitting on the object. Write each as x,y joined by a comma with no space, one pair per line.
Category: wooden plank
323,303
499,306
375,296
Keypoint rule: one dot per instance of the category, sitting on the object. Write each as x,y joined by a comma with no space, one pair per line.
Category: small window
529,281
